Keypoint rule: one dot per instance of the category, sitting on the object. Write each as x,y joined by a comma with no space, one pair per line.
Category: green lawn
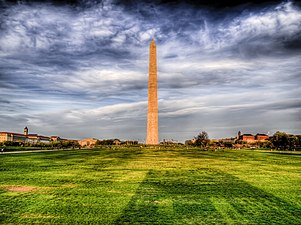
150,186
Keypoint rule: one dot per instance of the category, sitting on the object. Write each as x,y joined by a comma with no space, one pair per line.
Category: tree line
279,141
54,144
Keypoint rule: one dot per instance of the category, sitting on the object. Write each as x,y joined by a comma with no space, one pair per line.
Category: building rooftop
247,135
4,132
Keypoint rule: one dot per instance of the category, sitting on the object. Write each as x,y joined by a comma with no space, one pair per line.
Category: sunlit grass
150,186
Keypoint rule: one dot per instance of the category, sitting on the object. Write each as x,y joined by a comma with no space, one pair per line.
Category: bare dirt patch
19,188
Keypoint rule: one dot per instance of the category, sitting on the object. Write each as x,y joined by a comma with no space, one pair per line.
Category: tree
105,142
11,143
293,142
299,140
202,139
280,140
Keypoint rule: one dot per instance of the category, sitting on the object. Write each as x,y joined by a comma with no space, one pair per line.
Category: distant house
55,138
247,137
190,142
89,142
252,138
261,137
35,138
44,139
116,142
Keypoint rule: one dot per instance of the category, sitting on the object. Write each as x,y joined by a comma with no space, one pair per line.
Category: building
261,137
56,138
247,137
116,142
89,142
35,138
10,136
152,112
252,138
24,138
25,131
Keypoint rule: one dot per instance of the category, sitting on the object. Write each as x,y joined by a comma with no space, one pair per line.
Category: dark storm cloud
86,62
296,104
4,101
222,5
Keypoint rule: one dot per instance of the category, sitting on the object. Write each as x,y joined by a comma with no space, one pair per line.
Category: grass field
150,186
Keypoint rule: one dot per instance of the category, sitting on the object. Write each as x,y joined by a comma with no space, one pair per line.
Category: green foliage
129,142
108,142
20,146
228,144
202,139
241,142
70,144
280,140
12,143
284,141
150,185
105,142
189,142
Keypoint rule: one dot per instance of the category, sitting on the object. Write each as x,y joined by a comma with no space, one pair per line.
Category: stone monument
152,113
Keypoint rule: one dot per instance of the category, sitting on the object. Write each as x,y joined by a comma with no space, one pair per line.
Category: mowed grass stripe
191,195
75,189
150,186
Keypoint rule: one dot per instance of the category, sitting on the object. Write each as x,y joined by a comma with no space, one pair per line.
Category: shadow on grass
285,153
83,167
204,197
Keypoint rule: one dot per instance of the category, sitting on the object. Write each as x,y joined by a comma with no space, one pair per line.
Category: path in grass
36,150
149,186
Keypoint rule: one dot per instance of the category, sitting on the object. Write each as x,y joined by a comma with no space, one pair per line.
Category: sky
79,69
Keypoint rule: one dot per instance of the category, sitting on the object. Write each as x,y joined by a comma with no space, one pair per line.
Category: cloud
87,63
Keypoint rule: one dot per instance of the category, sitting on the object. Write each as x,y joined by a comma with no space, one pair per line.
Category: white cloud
283,21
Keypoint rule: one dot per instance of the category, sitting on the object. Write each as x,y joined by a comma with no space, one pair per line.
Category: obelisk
152,113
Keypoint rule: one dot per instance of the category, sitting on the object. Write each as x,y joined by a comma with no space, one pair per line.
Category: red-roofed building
31,138
247,137
261,137
10,136
252,138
